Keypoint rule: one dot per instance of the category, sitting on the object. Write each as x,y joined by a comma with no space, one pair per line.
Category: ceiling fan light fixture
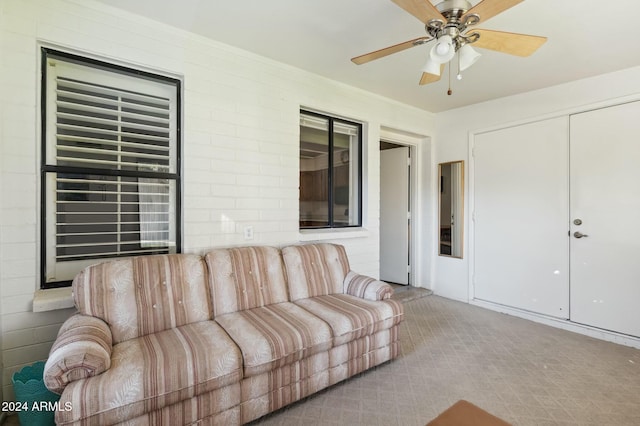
443,50
467,56
431,67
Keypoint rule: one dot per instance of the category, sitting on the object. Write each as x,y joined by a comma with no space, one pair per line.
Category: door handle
579,234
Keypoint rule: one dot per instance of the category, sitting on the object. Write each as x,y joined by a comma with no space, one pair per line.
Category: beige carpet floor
520,371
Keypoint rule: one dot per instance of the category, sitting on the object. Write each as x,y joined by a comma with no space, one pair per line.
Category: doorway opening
395,213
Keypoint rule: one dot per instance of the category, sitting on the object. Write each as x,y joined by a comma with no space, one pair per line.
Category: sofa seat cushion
153,371
351,317
275,335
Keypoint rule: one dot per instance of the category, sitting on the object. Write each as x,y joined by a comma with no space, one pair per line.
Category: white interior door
394,215
605,199
520,192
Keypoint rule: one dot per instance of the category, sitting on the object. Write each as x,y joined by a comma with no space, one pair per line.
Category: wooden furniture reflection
445,240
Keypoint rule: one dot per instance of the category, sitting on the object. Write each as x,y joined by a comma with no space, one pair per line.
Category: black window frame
45,169
330,192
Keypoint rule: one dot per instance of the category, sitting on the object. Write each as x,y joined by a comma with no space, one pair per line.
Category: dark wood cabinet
314,185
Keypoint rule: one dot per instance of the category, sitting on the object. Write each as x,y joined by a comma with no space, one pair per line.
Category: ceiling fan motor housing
453,11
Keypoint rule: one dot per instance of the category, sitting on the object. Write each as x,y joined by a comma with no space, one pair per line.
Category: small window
110,174
330,172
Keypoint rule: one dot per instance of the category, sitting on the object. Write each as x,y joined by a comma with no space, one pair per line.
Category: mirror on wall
451,213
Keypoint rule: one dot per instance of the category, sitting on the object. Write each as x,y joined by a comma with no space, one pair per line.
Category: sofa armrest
82,349
366,287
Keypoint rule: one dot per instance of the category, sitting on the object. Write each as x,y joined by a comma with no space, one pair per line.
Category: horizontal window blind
104,216
111,177
104,127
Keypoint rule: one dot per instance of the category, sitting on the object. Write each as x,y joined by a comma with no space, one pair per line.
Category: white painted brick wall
240,152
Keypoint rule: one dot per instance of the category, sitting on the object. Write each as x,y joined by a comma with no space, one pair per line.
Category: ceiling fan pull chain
449,92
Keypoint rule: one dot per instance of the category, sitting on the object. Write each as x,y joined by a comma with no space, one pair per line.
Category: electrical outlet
248,232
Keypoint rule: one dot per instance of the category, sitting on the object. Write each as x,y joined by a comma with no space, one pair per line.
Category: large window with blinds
110,173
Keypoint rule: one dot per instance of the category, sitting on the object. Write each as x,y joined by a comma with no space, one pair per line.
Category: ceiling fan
448,23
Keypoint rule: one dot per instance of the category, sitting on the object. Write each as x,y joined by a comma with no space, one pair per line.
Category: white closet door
605,197
521,253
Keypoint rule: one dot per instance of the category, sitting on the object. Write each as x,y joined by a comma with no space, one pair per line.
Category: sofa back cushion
144,295
315,269
245,278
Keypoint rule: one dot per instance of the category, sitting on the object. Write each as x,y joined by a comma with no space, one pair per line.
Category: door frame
414,142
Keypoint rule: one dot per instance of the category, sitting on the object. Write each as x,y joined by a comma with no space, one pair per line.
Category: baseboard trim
597,333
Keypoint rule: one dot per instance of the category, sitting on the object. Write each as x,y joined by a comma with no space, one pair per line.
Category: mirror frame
459,220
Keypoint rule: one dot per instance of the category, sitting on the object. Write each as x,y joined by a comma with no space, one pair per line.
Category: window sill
52,299
332,234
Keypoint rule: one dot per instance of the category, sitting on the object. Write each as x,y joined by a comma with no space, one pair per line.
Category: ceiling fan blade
367,57
487,9
511,43
430,78
421,9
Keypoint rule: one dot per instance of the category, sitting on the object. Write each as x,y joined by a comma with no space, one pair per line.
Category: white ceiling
585,38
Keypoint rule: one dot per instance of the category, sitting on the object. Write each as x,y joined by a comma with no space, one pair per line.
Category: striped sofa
223,338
